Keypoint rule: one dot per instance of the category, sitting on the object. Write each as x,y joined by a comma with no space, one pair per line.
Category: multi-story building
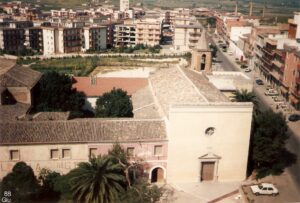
68,40
95,38
125,34
48,40
148,32
186,36
12,39
291,79
124,5
34,38
294,29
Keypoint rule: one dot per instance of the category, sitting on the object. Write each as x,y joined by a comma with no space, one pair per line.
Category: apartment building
294,26
125,34
186,36
291,79
95,38
12,39
48,40
68,40
148,32
34,38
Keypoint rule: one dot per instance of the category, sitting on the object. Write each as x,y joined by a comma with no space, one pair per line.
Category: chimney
250,8
236,8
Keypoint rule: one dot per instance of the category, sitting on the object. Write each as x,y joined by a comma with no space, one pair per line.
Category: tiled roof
207,89
11,112
17,76
144,105
170,86
103,85
81,131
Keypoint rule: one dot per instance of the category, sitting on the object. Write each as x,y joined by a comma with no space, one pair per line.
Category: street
264,103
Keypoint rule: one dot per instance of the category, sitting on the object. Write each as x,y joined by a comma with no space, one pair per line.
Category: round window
209,131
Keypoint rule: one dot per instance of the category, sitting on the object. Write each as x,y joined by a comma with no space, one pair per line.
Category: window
54,154
14,155
66,153
130,151
93,152
158,150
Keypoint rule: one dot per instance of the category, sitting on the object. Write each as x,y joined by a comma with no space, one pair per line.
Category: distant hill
288,5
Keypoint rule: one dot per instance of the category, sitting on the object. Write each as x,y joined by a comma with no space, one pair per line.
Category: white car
264,189
247,70
271,92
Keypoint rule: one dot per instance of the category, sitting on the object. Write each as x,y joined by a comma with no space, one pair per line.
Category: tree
48,179
55,93
115,103
268,151
214,50
141,191
212,21
244,96
100,181
21,183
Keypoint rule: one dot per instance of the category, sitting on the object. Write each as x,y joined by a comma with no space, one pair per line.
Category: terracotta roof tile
102,85
81,131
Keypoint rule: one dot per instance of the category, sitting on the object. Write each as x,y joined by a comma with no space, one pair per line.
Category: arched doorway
157,175
203,62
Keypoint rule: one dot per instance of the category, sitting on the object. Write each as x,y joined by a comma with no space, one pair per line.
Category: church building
183,130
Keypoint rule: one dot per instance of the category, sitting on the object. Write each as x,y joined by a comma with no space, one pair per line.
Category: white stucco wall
48,41
188,142
38,157
237,32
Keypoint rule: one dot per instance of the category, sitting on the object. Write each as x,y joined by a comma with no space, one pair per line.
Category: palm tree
97,181
244,96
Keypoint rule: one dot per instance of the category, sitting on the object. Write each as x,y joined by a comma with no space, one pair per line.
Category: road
266,103
226,64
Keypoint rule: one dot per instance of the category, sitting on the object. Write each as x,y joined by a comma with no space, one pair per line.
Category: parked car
247,70
271,92
264,189
243,66
259,82
294,117
269,87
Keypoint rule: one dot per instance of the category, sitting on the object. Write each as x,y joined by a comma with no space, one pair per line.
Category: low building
17,89
94,87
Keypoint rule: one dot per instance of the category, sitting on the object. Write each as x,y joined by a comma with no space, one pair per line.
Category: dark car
243,66
259,82
294,117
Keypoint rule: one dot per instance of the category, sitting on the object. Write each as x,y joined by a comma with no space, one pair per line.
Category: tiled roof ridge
191,82
95,120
